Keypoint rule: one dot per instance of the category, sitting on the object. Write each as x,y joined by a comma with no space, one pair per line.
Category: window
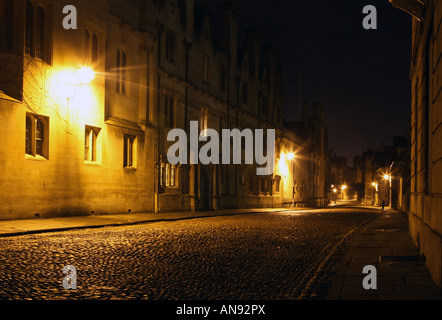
40,32
277,183
172,175
169,111
204,119
170,47
162,175
36,40
264,184
129,151
6,16
206,61
242,176
91,143
37,136
168,175
90,48
121,72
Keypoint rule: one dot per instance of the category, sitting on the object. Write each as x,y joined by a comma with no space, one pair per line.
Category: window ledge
130,168
92,164
36,158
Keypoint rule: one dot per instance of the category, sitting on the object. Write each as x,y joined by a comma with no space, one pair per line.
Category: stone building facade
426,131
72,146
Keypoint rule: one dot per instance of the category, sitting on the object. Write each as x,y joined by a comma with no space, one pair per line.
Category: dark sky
361,77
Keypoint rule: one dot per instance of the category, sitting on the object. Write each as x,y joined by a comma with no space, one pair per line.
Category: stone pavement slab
384,243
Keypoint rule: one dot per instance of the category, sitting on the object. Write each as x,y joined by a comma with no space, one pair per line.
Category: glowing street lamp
291,156
85,75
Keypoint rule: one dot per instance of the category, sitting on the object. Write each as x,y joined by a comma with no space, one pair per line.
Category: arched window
36,40
123,67
121,72
40,35
29,33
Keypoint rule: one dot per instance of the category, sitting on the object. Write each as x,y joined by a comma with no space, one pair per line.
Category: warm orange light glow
335,190
374,184
85,75
291,156
283,169
386,177
344,187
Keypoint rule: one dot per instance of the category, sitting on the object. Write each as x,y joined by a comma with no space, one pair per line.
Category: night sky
361,76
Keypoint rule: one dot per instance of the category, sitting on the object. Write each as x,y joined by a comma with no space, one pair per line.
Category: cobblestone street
270,256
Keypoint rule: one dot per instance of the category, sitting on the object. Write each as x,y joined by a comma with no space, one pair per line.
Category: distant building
372,169
314,134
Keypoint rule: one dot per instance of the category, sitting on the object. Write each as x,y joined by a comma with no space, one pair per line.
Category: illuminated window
162,175
37,136
91,143
168,175
204,120
36,40
121,72
129,151
172,175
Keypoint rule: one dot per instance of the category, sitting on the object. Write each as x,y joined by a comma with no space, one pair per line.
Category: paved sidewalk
11,228
384,243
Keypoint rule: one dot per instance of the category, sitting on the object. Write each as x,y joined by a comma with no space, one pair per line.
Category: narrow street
266,256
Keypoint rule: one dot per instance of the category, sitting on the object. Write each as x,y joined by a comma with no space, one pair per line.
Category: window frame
121,78
33,149
37,43
92,144
130,151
